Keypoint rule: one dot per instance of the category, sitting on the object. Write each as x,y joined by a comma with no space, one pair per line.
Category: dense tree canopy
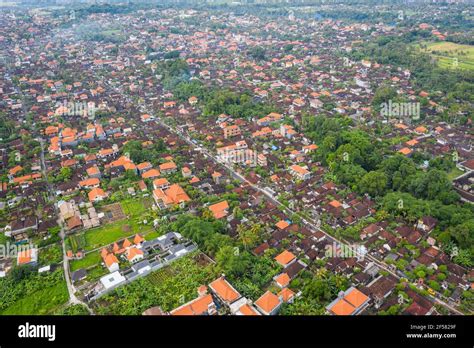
138,154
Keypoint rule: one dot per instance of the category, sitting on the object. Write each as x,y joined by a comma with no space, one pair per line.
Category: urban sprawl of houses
167,162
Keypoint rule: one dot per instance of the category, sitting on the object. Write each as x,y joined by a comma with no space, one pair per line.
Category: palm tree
249,236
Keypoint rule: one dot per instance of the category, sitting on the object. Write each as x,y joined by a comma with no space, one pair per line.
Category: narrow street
70,287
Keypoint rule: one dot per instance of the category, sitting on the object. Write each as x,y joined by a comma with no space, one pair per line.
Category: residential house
300,172
269,303
231,131
219,210
349,302
173,195
27,257
110,260
285,258
203,305
134,255
224,291
168,167
97,195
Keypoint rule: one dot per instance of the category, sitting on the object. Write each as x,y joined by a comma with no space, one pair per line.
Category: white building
112,280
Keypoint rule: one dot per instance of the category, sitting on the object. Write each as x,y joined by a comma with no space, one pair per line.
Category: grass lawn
109,233
89,260
41,302
152,235
96,272
134,207
453,174
77,242
447,52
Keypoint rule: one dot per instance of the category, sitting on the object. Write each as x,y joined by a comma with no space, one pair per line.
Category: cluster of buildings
127,261
220,298
77,159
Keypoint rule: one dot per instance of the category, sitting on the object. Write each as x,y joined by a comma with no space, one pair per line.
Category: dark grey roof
162,242
170,257
132,275
155,264
78,275
136,267
191,247
176,248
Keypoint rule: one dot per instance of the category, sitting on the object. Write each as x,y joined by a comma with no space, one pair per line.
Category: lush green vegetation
134,208
24,291
209,235
76,309
44,301
184,90
395,181
52,254
7,128
174,72
113,36
257,53
91,259
457,85
77,242
96,238
237,105
138,154
109,233
451,55
168,288
317,289
248,273
215,101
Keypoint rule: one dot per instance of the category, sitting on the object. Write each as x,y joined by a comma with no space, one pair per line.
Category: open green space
152,235
77,242
96,272
109,233
88,261
45,301
135,208
454,173
25,291
451,55
52,254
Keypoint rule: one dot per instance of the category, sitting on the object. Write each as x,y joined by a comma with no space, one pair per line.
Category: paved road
70,287
313,226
